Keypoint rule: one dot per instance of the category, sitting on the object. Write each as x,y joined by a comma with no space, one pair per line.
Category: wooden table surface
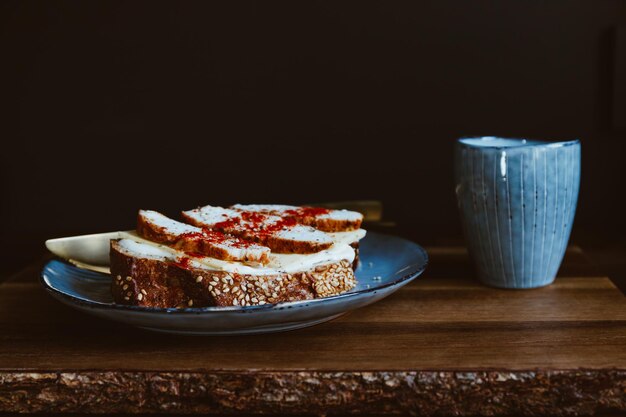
442,345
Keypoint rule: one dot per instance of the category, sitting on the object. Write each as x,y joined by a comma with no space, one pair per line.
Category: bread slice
156,227
323,219
281,235
156,276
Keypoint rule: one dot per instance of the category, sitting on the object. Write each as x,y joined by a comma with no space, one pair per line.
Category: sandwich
236,256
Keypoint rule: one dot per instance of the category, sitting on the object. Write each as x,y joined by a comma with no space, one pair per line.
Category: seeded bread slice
323,219
156,227
281,235
144,275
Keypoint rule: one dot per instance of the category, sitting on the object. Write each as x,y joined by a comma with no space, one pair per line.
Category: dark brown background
113,106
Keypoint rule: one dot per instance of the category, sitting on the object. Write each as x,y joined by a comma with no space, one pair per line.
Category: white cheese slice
208,216
288,263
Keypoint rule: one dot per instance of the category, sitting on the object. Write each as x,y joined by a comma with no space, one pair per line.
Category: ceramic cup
517,200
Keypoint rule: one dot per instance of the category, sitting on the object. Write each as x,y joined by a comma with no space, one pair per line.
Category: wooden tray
442,345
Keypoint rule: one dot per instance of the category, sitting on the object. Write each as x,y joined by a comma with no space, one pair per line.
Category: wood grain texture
424,393
443,335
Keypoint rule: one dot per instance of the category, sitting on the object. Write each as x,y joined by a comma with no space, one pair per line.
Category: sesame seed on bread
233,257
146,275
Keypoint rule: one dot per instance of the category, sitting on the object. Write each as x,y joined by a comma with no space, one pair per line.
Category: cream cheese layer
285,263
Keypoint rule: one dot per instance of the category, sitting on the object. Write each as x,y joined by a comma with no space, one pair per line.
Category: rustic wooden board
442,345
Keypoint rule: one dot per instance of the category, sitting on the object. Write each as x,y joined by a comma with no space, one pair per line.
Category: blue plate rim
235,309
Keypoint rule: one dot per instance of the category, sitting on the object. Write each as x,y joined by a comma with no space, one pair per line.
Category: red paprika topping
257,223
307,211
192,236
215,237
182,263
228,224
253,217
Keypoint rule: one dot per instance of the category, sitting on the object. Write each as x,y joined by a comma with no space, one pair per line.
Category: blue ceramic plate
387,263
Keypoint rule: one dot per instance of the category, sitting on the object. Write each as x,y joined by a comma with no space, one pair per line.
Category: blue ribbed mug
517,200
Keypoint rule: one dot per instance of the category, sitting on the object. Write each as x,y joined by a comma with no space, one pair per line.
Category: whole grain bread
146,276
